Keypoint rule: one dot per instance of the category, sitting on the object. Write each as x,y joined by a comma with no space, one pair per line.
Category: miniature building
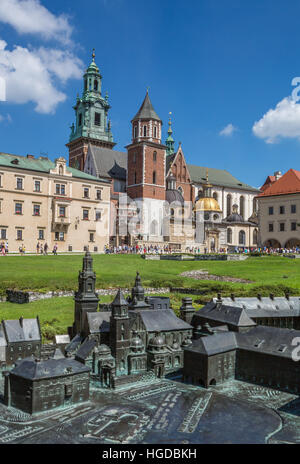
136,335
19,339
35,386
262,355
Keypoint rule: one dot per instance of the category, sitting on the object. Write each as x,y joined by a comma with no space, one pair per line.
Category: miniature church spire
170,140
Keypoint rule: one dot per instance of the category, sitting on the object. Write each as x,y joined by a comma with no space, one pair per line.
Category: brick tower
146,169
92,126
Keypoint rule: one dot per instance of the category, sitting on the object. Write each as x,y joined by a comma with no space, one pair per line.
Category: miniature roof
31,369
287,184
85,349
99,321
16,333
74,344
270,340
213,344
109,163
233,315
119,299
266,306
163,320
146,110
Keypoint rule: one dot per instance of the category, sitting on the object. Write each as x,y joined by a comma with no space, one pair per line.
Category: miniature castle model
137,335
140,338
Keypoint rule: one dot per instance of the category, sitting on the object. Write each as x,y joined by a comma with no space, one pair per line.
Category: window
172,212
229,203
281,209
95,85
37,186
80,119
18,208
135,177
242,206
36,210
271,227
59,236
271,210
155,132
3,234
86,193
229,235
154,155
293,226
19,234
154,177
62,211
19,183
293,209
135,132
242,237
98,194
85,214
60,189
92,237
41,234
145,131
98,215
281,226
97,119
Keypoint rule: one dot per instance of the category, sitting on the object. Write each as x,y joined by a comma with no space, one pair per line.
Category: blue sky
223,67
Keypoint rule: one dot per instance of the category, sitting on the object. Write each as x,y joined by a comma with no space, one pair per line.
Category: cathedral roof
218,177
146,111
163,320
109,163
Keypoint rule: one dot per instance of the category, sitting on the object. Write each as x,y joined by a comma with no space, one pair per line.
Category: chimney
277,175
29,156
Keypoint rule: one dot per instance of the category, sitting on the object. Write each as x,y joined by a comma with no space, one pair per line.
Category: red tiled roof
287,184
269,180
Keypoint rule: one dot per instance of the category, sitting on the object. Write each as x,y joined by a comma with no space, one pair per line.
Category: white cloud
30,17
281,122
6,118
33,75
228,130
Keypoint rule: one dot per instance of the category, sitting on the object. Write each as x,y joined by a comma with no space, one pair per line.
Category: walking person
37,248
45,249
55,249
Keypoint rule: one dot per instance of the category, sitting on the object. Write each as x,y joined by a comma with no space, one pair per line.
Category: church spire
170,140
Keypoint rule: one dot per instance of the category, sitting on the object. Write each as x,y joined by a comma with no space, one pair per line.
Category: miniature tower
187,310
138,295
86,299
119,333
170,141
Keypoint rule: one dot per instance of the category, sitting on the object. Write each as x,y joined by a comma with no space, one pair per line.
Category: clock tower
92,125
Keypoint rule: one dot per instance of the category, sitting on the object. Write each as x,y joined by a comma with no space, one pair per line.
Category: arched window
95,85
242,206
242,237
154,177
145,131
154,155
229,235
255,237
155,132
172,212
215,196
229,204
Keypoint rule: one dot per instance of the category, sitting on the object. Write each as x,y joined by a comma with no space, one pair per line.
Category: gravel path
204,275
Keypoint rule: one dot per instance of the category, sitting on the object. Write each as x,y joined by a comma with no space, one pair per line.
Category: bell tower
86,299
119,333
91,113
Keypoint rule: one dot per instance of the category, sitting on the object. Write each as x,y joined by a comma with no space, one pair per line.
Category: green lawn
56,314
44,273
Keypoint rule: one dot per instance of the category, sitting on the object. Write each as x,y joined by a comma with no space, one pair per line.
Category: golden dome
207,204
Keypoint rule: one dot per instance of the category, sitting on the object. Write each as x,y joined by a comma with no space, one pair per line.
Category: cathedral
157,198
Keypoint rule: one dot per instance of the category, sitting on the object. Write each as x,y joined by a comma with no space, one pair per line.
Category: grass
57,314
